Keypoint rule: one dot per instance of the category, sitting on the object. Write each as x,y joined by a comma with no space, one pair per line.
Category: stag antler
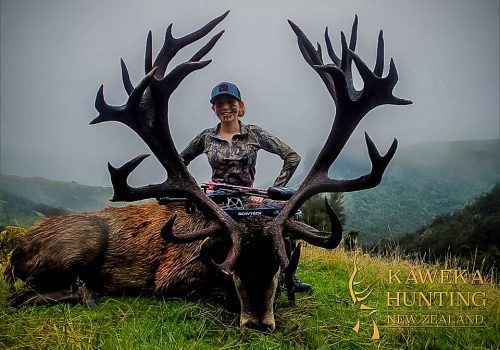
146,112
351,106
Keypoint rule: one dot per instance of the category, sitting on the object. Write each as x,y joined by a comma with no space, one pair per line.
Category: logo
419,296
223,87
249,213
360,297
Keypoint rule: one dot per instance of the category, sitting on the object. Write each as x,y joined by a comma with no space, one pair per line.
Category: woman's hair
242,110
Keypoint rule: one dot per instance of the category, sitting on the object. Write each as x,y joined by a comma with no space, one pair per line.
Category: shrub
10,238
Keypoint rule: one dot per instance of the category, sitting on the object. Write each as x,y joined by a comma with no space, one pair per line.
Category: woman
231,147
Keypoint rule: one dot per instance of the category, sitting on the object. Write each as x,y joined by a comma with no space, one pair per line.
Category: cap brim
224,93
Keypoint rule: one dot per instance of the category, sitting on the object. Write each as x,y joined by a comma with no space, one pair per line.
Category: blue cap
225,88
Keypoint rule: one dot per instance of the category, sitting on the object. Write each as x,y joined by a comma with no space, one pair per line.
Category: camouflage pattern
234,163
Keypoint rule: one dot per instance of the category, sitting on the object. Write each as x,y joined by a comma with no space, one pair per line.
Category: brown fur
115,250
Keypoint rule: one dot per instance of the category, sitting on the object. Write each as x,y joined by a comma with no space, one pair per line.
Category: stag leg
291,282
299,286
77,293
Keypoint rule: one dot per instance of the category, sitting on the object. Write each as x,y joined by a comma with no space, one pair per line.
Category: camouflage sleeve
291,159
194,149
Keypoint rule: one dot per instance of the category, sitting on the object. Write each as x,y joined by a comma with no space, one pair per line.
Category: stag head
254,253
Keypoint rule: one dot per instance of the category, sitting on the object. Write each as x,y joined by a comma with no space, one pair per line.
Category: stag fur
114,250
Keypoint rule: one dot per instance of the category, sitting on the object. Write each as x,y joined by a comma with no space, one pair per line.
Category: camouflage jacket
235,163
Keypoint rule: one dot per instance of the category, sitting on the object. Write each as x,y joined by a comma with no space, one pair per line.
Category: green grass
323,320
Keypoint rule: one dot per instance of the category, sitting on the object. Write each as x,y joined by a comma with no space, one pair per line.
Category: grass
323,320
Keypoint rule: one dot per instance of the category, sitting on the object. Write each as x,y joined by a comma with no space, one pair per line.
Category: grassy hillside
471,234
19,211
68,195
323,320
422,182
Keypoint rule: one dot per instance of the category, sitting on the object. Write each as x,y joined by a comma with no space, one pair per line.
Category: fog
55,54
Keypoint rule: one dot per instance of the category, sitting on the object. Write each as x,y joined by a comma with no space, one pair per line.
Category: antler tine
168,235
122,191
123,114
170,82
328,240
330,49
319,52
377,90
354,34
345,62
172,45
135,97
379,64
127,84
148,56
208,46
351,107
106,112
311,56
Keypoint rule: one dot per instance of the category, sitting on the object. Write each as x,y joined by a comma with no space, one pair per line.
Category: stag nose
264,325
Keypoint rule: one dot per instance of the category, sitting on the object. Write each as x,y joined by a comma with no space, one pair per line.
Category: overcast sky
56,53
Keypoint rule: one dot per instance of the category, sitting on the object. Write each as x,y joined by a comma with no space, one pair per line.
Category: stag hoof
87,297
19,299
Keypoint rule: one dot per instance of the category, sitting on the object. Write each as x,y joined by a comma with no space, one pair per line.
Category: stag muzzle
257,303
265,324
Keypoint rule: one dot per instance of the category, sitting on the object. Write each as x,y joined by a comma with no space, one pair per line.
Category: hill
19,211
470,234
422,182
68,195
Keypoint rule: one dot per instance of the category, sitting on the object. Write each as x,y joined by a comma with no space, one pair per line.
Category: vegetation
10,237
314,212
470,235
422,182
18,211
323,320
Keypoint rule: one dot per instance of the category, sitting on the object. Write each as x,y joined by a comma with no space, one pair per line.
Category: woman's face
226,108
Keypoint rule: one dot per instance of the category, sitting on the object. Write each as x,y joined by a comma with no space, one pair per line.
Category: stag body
121,250
154,249
112,251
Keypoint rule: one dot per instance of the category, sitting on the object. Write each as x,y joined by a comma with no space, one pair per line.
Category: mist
55,54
